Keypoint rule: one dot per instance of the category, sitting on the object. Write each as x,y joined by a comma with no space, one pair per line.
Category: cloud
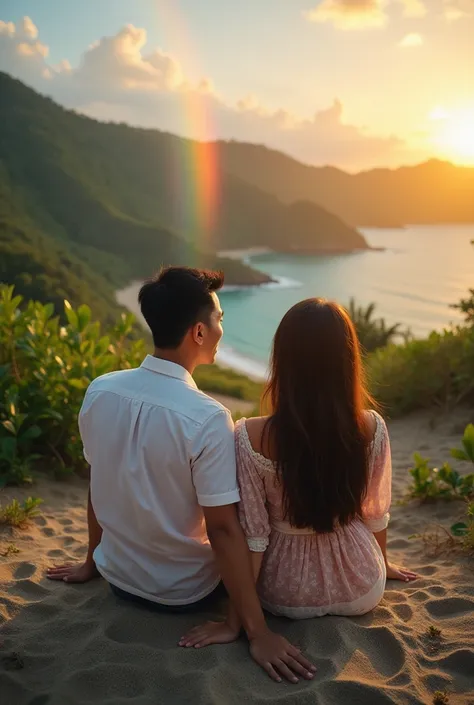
350,14
20,51
458,9
411,41
362,14
116,80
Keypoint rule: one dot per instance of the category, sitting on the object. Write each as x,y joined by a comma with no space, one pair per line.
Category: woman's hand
395,573
209,633
280,658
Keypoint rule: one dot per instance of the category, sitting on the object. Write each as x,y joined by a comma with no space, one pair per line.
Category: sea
413,276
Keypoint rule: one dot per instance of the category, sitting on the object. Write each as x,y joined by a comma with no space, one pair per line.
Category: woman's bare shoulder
370,418
255,427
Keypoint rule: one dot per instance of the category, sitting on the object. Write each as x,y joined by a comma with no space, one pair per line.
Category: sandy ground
71,645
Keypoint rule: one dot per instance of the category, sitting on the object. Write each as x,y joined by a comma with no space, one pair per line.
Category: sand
78,644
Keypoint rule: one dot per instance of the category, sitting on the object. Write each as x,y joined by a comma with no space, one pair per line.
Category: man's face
212,333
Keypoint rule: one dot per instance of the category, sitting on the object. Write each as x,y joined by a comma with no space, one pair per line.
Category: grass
434,632
220,380
18,515
10,550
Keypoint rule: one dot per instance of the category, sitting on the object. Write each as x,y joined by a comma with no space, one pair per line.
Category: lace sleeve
375,508
252,509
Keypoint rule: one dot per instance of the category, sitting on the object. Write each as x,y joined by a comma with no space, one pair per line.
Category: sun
453,134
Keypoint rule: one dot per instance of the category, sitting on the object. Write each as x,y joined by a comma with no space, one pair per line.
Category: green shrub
16,514
225,381
436,371
373,333
444,482
45,369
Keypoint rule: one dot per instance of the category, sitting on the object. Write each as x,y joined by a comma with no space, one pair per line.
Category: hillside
433,192
116,202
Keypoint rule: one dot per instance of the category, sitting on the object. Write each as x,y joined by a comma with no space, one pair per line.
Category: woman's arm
393,572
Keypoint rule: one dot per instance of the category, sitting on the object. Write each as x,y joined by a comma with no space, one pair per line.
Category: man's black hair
176,299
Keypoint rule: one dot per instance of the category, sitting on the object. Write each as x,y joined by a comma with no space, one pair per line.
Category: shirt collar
170,369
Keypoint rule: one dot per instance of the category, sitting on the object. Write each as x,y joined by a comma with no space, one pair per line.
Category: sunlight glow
453,134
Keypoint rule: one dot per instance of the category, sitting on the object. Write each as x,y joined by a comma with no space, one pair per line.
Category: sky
353,83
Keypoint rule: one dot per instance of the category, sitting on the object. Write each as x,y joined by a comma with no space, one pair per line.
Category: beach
76,644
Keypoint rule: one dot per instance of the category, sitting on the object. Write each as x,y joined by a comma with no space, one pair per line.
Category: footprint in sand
450,607
56,553
24,570
29,590
384,649
39,700
427,570
460,661
403,611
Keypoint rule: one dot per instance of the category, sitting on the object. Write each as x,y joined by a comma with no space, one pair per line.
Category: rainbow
197,167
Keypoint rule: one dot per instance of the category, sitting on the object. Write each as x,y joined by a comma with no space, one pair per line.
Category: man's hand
279,658
210,633
395,573
74,573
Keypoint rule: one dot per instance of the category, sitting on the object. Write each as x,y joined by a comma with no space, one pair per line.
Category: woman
315,478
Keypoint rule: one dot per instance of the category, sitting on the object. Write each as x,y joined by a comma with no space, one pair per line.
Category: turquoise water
422,270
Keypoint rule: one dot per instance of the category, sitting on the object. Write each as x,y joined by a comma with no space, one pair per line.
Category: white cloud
27,29
115,80
20,51
411,41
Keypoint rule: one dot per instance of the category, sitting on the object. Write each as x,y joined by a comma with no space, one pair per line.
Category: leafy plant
444,482
434,632
16,514
466,306
10,550
372,333
436,372
467,451
45,369
465,529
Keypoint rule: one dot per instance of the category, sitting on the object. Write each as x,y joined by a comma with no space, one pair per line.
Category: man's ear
198,333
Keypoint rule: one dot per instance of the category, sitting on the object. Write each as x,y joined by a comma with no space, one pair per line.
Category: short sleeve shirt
159,451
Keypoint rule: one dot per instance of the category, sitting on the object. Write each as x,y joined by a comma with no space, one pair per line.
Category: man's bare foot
74,573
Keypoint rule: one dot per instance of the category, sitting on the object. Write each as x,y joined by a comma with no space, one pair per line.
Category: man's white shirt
159,451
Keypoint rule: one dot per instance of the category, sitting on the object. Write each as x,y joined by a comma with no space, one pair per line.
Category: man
163,526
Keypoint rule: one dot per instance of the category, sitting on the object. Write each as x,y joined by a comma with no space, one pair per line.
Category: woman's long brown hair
317,430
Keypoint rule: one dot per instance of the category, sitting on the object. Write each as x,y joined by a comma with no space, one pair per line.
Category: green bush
436,371
373,333
430,483
225,381
16,514
45,369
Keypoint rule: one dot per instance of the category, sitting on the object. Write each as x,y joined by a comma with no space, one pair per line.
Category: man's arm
87,571
271,651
